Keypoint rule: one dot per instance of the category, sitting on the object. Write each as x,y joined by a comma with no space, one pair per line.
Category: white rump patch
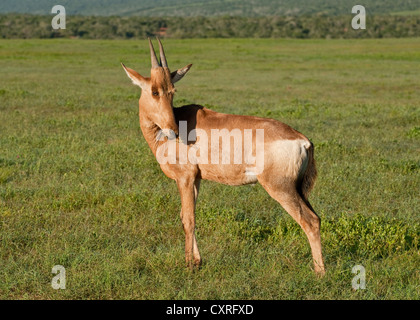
290,156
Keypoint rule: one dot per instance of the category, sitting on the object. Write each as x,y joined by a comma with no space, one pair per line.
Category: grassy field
79,186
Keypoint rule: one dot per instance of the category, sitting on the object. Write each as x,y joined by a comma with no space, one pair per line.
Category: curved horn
162,55
155,63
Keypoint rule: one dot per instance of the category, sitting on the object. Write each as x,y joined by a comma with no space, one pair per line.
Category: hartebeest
287,169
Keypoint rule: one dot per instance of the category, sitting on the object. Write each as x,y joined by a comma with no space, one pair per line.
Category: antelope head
157,92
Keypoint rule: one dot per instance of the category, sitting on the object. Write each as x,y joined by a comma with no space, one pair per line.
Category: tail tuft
309,177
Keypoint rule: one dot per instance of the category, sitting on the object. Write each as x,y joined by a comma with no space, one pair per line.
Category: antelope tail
309,176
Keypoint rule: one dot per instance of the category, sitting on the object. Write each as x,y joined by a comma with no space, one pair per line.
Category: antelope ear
137,79
178,74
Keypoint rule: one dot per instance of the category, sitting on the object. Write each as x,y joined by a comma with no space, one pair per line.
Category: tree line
193,8
26,26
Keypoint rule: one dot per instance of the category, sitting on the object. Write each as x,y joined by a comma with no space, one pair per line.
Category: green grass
406,13
80,188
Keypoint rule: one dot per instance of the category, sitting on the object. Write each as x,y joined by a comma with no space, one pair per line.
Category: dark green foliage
377,237
316,26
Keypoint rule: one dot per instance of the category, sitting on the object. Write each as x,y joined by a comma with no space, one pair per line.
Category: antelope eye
155,93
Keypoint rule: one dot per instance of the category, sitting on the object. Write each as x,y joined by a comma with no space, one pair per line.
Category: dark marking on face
155,92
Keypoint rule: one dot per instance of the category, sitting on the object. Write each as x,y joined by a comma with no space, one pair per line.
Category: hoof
320,272
194,265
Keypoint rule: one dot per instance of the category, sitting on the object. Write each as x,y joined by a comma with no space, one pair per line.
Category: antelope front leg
196,253
187,191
